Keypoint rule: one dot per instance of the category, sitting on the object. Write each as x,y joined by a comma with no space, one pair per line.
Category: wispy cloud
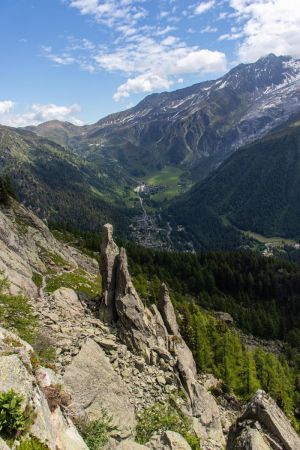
150,54
204,7
38,113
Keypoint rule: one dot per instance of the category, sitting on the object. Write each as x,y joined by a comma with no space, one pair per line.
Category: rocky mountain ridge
112,352
198,126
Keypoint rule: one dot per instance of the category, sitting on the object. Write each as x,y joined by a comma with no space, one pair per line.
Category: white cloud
142,83
149,54
269,26
111,12
6,106
204,7
156,64
38,113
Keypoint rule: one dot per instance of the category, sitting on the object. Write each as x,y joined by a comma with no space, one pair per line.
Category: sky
80,60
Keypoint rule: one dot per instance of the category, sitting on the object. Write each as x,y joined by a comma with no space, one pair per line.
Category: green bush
32,443
96,433
13,420
162,417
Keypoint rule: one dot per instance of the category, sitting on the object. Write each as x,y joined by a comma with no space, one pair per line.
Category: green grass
55,258
79,280
37,279
172,178
277,241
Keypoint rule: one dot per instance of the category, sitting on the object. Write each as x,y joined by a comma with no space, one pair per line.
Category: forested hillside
263,296
256,189
59,186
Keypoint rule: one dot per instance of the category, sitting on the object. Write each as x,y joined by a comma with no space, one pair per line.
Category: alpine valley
149,272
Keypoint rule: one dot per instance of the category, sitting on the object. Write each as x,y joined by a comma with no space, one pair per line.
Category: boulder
95,386
168,440
16,373
67,303
263,414
251,439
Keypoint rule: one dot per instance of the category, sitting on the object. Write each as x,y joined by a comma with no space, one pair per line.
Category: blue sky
80,60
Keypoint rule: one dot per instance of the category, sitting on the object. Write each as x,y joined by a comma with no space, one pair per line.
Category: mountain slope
198,126
56,184
257,189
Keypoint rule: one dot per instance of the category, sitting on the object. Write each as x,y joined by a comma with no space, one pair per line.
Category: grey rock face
109,252
94,386
168,440
263,414
167,311
155,333
251,439
51,427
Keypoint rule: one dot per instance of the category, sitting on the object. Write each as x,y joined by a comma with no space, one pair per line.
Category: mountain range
234,139
195,127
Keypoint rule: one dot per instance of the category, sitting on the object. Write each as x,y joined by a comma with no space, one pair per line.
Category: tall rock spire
153,331
109,253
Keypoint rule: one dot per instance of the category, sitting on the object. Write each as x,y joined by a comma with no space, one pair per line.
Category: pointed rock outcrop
109,253
203,404
263,421
154,332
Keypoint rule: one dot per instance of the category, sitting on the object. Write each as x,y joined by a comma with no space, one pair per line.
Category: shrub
56,396
13,420
96,433
32,443
162,417
43,347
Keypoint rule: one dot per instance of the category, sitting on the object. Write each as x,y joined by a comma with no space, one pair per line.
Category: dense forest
262,294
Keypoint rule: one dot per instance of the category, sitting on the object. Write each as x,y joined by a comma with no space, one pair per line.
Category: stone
95,385
169,440
106,343
109,253
67,305
130,445
17,374
277,430
167,311
251,439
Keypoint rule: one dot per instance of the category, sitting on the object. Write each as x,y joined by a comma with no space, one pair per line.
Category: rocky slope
198,126
112,352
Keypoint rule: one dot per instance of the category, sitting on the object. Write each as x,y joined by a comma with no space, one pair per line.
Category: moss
79,280
32,443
